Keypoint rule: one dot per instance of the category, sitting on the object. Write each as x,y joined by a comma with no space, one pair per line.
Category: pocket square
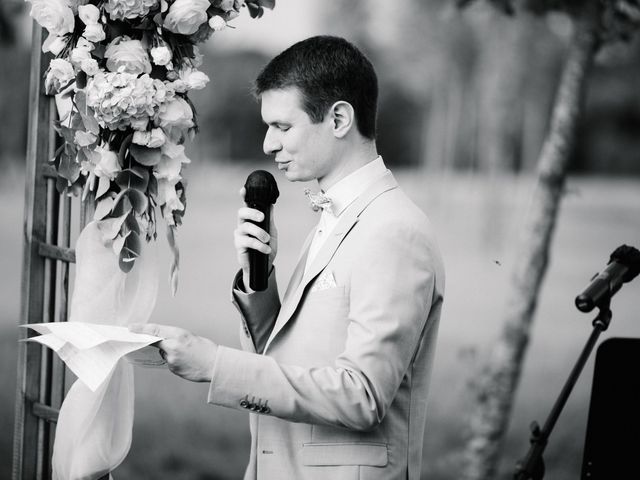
324,282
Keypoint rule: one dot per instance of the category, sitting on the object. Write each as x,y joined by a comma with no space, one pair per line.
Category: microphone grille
261,187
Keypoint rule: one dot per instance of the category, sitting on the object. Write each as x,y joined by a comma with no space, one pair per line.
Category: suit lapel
348,219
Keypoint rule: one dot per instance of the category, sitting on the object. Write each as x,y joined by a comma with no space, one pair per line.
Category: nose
271,143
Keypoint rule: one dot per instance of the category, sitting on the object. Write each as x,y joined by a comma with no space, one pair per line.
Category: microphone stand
531,467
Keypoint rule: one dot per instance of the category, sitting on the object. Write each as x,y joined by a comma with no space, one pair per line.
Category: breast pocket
334,454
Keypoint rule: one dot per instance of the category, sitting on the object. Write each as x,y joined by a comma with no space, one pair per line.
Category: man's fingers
249,214
244,242
254,231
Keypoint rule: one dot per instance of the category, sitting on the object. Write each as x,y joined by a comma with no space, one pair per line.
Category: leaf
175,263
137,179
68,167
118,243
132,223
130,251
136,199
145,156
103,186
110,227
103,208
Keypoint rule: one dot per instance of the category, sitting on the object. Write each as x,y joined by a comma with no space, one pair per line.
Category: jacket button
244,403
265,409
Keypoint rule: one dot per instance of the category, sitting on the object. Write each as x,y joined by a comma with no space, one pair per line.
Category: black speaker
612,443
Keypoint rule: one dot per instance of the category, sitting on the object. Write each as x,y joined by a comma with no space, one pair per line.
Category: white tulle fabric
93,434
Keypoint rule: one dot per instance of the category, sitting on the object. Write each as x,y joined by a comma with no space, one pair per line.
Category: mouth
283,165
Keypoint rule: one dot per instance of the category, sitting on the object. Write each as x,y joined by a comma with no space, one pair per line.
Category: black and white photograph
319,240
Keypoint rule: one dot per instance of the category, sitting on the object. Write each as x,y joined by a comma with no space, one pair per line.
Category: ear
342,118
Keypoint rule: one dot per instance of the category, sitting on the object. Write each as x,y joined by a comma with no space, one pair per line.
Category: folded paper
91,351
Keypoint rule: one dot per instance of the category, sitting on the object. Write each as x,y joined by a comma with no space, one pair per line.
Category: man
335,375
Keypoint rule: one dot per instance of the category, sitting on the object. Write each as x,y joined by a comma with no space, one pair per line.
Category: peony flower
128,9
161,55
186,16
54,44
54,15
59,75
126,55
217,23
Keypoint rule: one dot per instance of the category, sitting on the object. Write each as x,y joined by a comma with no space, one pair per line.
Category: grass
178,436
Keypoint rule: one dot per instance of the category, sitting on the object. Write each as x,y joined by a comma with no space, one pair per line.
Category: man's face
301,148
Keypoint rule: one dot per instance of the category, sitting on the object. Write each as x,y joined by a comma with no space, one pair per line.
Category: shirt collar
344,192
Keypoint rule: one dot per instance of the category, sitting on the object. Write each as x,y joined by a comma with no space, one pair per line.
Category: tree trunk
496,385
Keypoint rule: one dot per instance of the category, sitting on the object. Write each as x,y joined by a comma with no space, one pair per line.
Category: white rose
54,44
79,55
59,75
157,138
108,165
176,113
161,55
89,66
186,16
180,86
196,80
217,23
94,33
89,14
128,55
85,44
54,15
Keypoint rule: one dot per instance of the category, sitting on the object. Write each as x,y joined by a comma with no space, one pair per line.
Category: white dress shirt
343,194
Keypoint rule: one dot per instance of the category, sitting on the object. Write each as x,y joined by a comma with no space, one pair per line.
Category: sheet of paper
91,351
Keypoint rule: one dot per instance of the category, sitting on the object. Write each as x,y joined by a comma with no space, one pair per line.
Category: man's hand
249,236
188,356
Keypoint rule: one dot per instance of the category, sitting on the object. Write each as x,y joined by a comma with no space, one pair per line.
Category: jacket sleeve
258,311
392,288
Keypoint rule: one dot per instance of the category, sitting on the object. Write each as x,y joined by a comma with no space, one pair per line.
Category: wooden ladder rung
45,412
48,171
57,253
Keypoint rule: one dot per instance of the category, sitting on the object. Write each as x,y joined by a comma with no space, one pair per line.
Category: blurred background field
178,436
465,98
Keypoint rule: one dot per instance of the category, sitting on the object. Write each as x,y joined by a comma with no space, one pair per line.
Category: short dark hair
326,69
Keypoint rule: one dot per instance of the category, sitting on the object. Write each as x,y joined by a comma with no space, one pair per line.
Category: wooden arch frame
42,380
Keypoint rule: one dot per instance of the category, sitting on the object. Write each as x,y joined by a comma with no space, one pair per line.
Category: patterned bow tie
318,201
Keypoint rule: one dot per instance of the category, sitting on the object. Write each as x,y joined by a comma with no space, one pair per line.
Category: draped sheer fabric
94,429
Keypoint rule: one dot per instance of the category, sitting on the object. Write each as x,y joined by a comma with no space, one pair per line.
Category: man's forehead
281,102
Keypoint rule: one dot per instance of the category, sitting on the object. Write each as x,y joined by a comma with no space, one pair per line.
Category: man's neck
349,163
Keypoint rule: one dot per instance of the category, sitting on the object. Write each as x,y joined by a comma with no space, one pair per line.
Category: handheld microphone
261,192
623,266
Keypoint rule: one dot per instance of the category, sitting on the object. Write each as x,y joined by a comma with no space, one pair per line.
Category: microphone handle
258,261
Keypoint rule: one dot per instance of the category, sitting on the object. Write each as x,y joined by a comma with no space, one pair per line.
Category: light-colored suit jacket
336,375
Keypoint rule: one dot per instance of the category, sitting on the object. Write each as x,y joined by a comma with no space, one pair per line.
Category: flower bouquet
121,73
